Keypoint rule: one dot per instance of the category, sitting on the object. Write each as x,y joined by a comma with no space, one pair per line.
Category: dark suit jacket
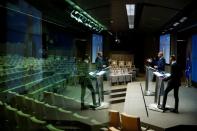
161,64
99,63
176,74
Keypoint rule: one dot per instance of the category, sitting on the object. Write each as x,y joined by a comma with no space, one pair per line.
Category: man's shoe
162,108
174,111
94,106
84,107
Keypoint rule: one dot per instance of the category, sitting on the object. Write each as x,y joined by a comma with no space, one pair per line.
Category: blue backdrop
194,58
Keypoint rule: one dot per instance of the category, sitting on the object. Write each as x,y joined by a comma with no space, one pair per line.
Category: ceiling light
130,14
83,17
180,40
175,24
130,9
183,19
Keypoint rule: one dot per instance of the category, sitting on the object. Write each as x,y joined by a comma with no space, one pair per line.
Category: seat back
35,124
52,128
114,118
130,123
121,63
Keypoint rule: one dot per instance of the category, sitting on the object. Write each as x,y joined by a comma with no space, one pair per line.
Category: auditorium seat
22,120
50,110
2,114
35,124
61,113
38,109
61,101
79,117
130,123
113,129
50,127
10,114
114,119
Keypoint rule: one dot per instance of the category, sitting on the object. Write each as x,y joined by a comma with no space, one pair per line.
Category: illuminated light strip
78,14
130,14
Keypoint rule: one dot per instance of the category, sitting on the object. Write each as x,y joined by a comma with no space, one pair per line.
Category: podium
99,89
149,76
158,87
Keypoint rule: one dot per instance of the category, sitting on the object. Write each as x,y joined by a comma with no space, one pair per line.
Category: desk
120,77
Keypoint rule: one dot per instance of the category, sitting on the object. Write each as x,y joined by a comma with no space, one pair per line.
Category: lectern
159,85
99,88
149,77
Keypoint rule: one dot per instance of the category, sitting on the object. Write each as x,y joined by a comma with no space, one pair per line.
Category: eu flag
188,68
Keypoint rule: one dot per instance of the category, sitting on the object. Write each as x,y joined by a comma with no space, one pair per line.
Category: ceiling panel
153,18
173,4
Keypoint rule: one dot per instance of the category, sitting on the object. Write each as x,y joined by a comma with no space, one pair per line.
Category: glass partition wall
41,75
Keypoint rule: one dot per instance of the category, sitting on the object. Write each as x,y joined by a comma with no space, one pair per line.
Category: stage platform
187,117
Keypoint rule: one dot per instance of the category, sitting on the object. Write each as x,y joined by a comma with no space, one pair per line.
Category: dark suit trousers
171,86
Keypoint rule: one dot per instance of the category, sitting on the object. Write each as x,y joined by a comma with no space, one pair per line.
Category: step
118,90
117,100
117,94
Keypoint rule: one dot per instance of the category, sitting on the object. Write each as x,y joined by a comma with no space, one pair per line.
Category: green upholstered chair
35,124
50,127
10,114
22,120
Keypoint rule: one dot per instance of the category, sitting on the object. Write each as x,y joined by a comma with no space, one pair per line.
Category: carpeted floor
134,105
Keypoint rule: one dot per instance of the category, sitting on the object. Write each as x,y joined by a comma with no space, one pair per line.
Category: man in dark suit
85,81
99,61
173,83
161,62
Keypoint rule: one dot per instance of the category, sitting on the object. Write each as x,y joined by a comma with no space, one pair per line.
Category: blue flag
188,68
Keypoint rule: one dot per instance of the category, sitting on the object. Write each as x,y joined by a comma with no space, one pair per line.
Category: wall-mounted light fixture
84,18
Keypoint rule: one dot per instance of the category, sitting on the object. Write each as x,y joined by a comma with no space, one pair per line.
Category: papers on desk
94,73
158,74
167,74
100,73
162,74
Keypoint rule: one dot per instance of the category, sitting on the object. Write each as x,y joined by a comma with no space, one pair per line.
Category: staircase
117,95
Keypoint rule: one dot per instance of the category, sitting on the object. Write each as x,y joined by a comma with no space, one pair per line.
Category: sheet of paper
158,74
101,73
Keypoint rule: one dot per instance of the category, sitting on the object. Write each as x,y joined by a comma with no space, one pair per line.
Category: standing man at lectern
173,83
85,82
99,81
161,62
99,61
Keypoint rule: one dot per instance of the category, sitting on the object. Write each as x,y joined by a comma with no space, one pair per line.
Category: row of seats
61,101
124,122
54,83
17,75
16,60
10,71
116,63
23,81
42,110
7,77
14,119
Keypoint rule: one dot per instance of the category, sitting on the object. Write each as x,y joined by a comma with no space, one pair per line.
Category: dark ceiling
150,15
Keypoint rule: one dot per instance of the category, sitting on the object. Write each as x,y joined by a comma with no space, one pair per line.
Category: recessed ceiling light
175,24
130,14
183,19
